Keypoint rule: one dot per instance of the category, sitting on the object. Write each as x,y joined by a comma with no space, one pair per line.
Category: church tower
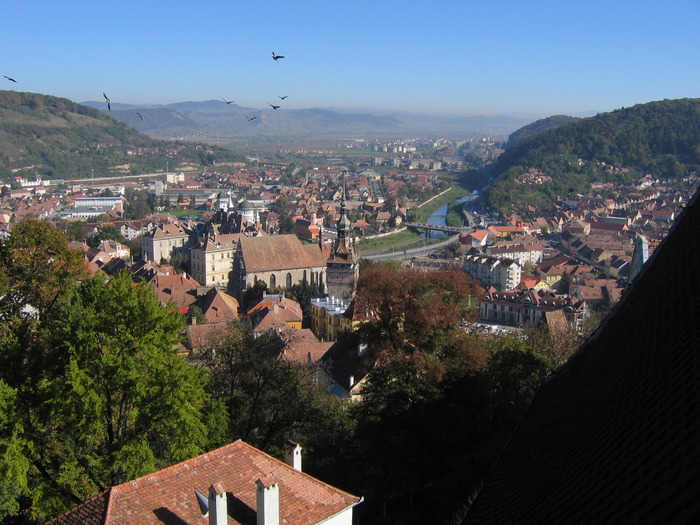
342,268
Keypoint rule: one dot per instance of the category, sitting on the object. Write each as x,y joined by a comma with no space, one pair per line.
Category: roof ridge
203,458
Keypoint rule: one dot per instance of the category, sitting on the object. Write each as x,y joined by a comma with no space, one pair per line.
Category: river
439,217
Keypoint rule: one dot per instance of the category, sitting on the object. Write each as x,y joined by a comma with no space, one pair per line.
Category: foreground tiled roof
168,496
614,435
279,252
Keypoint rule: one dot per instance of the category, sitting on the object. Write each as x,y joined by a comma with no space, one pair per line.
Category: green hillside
659,138
57,138
539,126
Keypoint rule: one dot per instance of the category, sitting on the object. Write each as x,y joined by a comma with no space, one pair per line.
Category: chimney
292,455
268,501
218,507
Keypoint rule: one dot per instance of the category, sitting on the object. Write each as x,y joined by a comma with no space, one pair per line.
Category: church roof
612,436
279,252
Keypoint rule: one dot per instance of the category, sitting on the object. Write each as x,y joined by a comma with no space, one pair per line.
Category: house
303,347
212,259
218,306
275,311
531,252
329,319
476,239
114,249
346,367
518,307
235,484
490,271
164,241
179,291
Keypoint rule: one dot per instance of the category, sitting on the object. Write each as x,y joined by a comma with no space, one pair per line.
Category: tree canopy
660,138
92,391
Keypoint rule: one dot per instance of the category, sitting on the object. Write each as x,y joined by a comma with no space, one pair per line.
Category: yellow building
331,317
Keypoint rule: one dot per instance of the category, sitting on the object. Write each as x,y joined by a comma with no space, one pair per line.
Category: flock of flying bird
275,57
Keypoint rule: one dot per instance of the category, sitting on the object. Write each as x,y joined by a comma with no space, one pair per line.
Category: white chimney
292,455
218,507
268,501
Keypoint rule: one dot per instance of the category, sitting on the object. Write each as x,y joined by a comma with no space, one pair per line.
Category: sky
460,57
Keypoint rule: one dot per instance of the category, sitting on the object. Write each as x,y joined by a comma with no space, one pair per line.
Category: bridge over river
435,227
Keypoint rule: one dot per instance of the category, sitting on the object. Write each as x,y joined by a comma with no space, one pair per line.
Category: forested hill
538,127
659,138
57,138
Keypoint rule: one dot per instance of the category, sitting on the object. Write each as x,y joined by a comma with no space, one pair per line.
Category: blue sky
464,57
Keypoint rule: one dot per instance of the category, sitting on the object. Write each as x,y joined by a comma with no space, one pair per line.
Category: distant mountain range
216,118
57,138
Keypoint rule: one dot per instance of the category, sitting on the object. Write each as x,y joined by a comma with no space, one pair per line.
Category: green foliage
131,402
266,399
303,293
92,391
139,206
287,225
106,233
253,295
659,138
539,126
62,139
196,312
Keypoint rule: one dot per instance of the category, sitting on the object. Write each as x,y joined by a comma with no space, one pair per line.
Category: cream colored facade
163,242
212,259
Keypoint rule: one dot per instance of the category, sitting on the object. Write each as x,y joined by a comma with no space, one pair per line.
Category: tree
410,307
104,396
565,283
266,399
287,225
303,293
106,233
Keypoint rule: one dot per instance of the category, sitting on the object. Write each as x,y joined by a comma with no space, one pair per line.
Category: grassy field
400,241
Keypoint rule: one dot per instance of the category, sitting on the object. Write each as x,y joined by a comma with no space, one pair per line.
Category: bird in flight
273,106
276,57
13,80
109,104
139,114
282,97
228,101
250,119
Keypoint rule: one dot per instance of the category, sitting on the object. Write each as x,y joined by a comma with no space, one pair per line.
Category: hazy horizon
445,58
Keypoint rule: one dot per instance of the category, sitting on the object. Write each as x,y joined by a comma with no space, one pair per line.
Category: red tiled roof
302,346
234,468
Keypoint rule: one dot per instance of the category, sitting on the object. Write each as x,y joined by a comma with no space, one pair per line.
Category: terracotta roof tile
168,495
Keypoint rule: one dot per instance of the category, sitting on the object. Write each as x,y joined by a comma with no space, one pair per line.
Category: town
197,236
282,249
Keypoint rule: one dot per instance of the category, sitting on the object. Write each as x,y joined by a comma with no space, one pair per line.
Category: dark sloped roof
614,435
